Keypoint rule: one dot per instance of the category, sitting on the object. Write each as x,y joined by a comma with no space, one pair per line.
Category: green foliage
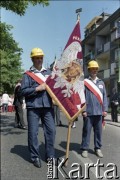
9,49
10,59
7,41
19,6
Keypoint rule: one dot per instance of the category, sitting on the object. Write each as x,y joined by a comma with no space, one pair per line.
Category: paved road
15,159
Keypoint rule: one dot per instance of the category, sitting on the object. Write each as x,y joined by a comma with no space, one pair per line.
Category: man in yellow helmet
39,106
96,108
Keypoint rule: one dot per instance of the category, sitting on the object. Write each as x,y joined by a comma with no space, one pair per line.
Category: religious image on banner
66,82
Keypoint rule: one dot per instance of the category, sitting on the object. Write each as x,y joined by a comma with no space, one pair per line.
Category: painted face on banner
72,72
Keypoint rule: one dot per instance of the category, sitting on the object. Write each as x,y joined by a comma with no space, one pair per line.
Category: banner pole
78,13
68,143
70,123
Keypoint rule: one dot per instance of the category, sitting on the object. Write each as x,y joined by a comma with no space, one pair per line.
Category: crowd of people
6,103
14,103
32,95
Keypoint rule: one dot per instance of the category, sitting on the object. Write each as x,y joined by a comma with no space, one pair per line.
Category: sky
49,27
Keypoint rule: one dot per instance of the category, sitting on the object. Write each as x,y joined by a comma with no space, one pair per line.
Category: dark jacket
93,107
114,98
18,98
35,99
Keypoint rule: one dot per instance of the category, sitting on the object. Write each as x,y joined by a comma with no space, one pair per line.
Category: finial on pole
78,13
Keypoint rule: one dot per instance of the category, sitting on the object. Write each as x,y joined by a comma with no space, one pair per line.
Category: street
15,159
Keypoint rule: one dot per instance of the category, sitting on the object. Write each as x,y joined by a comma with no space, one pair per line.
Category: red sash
94,89
33,76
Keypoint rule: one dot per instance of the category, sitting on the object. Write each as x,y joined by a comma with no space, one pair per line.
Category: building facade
102,42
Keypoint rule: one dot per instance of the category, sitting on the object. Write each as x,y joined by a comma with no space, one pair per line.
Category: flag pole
68,142
78,13
70,122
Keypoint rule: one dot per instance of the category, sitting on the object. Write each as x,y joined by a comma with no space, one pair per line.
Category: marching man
96,108
39,106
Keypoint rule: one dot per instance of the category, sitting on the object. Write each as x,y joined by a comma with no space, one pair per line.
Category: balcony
107,46
117,54
113,68
115,35
104,74
100,49
104,48
89,56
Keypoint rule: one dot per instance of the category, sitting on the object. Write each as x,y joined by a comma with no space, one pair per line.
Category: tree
9,49
19,7
10,54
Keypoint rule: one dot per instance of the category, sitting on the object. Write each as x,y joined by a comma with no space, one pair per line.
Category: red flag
66,83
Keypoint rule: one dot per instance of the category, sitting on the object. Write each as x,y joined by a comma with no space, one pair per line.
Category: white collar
94,79
36,70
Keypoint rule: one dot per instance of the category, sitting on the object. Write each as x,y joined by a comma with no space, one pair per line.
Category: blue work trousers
47,118
88,123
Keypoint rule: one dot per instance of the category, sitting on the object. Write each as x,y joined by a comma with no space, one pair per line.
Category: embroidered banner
66,83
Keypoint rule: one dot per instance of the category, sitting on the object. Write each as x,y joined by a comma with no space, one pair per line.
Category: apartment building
102,42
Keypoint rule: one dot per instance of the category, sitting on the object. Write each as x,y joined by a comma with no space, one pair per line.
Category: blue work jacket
93,106
35,99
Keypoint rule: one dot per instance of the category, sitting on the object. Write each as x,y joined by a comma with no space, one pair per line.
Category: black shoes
37,163
60,124
20,127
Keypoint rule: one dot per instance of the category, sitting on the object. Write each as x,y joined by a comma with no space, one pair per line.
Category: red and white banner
66,83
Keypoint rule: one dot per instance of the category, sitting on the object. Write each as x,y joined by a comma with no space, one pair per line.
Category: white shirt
36,70
94,79
39,74
5,98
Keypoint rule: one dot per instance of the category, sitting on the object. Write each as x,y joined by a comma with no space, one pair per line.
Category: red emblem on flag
66,83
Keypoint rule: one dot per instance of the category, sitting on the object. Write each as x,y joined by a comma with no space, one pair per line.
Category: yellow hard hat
36,52
93,64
